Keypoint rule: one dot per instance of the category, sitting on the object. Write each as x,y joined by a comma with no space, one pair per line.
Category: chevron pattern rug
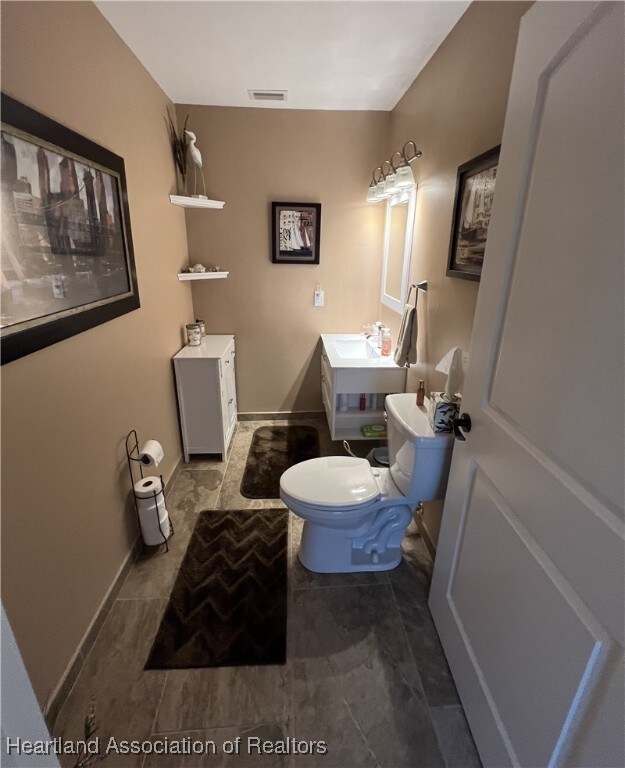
272,452
229,603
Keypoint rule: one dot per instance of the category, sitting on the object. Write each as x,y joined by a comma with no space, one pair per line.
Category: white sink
355,349
352,350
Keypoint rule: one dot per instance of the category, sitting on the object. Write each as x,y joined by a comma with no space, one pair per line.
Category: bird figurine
196,157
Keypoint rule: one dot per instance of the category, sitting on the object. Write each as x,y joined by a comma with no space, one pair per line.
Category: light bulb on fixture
384,191
372,194
379,190
390,184
405,177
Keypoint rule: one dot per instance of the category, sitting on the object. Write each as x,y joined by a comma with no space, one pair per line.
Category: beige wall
67,524
252,157
454,111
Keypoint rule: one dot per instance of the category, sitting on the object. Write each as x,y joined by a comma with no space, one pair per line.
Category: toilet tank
419,457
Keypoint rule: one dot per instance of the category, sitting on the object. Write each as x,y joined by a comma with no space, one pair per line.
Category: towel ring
423,286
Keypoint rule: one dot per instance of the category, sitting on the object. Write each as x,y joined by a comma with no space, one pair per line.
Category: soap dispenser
387,342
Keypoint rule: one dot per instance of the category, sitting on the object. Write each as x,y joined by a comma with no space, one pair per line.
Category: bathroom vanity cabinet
346,374
207,400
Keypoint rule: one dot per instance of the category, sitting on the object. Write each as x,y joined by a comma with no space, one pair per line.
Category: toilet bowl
355,516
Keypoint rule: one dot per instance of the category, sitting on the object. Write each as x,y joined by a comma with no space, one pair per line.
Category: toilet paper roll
147,487
151,454
150,505
154,521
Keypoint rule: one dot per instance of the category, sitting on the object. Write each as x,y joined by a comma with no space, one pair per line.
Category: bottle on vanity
387,342
421,392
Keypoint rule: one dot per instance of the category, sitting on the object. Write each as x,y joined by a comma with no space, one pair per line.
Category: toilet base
336,550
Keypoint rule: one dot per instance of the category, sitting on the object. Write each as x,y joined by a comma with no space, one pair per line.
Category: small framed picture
296,230
475,190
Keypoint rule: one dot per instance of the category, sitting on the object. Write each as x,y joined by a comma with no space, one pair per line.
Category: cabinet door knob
231,401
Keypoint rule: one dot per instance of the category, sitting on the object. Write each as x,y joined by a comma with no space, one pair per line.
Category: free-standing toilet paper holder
133,454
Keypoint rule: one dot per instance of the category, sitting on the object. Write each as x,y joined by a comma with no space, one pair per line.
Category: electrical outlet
319,298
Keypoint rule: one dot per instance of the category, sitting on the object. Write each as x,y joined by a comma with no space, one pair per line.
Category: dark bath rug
229,603
274,450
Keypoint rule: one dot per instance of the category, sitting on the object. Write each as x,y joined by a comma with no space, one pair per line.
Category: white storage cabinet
207,399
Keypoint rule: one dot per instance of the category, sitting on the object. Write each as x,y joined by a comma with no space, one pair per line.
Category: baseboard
73,669
281,415
76,663
423,531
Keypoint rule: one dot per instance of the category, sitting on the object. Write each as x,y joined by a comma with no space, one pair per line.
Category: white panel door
528,587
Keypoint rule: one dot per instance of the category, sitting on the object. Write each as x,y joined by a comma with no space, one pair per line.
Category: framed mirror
400,214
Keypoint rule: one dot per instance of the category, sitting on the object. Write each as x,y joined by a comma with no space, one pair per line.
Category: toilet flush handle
463,422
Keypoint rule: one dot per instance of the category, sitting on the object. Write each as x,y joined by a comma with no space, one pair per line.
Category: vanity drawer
326,373
328,405
354,380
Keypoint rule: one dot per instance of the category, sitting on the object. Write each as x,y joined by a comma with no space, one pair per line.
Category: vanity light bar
398,178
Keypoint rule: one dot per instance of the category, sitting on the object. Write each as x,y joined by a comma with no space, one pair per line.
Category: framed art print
296,229
475,190
66,251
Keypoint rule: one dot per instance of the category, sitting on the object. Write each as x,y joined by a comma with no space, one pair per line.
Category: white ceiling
354,54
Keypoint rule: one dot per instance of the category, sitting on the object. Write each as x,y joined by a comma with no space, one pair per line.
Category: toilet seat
339,482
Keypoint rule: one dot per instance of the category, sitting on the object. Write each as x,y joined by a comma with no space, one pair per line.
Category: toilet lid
337,481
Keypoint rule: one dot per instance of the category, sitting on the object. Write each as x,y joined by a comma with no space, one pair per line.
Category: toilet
356,515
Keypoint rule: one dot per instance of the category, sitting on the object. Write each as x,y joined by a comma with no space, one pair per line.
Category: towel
406,350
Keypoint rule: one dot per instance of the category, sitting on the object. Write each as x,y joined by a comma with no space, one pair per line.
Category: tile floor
365,671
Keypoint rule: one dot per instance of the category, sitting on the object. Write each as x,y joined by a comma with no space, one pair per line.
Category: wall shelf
195,202
202,275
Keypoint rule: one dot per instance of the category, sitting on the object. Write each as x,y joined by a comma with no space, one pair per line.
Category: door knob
462,422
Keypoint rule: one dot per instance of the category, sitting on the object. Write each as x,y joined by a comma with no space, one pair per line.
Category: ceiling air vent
268,95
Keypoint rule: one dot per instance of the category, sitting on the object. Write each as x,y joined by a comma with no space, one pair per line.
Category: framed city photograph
475,189
66,255
296,230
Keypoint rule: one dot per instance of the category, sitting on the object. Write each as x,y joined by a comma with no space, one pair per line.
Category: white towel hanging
406,350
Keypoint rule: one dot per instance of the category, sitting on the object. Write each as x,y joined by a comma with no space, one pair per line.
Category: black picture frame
66,252
295,233
475,189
